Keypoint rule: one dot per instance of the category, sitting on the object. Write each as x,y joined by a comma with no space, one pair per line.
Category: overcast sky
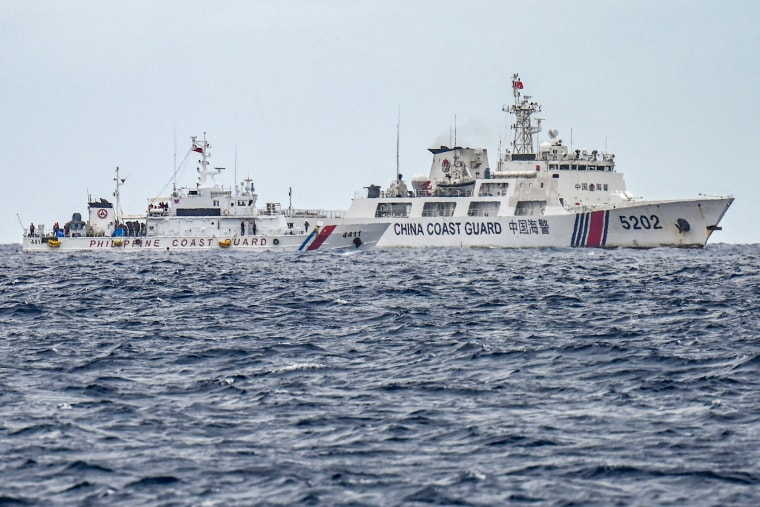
308,92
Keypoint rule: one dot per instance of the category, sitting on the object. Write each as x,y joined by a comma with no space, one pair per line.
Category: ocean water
381,378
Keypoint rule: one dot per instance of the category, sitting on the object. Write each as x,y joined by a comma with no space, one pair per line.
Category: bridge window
483,209
393,209
492,189
439,209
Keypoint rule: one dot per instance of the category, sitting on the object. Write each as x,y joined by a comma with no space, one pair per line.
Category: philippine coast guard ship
549,197
202,218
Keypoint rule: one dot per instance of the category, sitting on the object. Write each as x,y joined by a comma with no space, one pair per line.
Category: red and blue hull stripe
315,239
590,229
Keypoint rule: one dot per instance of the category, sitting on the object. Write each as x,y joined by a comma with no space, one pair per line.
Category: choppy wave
402,377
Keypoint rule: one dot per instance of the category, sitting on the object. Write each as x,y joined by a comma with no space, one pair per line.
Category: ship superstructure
537,196
206,216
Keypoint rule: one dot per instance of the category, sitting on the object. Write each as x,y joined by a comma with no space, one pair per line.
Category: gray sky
308,92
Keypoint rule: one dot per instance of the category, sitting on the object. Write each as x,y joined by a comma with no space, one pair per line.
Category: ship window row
580,167
437,209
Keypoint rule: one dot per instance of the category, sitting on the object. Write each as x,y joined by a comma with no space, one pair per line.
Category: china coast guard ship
550,197
206,217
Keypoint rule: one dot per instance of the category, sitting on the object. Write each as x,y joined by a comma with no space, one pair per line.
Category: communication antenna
398,137
174,173
455,131
500,156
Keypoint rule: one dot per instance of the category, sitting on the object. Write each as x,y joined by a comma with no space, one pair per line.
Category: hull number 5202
640,222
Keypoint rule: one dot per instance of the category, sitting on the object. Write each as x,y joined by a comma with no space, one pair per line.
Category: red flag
198,149
517,84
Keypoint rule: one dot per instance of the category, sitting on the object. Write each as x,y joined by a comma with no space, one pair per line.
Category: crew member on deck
242,228
253,228
306,225
31,230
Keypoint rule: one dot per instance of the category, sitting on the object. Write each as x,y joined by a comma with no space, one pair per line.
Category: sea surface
381,378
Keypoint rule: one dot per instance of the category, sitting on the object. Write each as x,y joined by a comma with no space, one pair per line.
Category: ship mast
523,109
119,182
202,147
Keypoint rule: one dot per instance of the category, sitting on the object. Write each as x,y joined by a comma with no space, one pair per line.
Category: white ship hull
202,218
538,196
643,225
329,237
545,196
